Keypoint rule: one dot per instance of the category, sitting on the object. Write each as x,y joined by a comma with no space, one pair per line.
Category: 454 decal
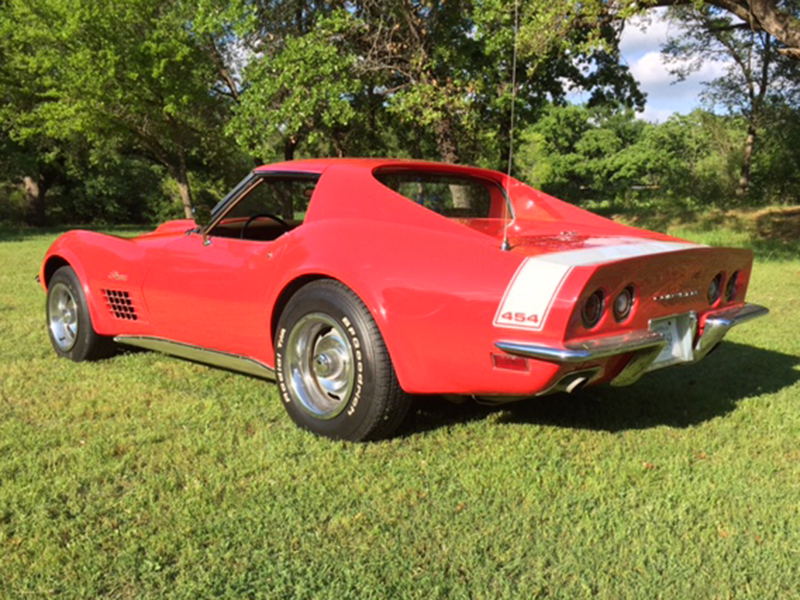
530,294
519,317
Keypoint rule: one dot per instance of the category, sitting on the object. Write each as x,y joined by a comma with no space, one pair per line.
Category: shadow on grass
677,397
766,249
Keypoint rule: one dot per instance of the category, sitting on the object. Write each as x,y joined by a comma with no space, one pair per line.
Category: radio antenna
506,245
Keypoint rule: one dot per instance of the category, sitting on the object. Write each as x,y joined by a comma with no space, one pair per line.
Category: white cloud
650,71
641,48
664,91
653,72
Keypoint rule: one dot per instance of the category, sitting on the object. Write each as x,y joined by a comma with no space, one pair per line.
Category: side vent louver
120,304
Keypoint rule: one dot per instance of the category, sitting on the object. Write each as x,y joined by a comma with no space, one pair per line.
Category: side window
266,209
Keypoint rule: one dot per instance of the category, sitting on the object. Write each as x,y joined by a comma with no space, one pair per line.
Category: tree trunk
463,197
505,151
181,176
288,147
504,142
338,143
35,192
446,141
747,159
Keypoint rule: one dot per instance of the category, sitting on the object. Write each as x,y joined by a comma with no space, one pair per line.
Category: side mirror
202,218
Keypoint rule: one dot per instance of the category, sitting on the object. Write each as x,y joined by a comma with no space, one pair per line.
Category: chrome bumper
645,345
719,322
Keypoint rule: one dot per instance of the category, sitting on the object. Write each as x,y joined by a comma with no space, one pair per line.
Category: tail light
623,303
715,288
593,309
732,286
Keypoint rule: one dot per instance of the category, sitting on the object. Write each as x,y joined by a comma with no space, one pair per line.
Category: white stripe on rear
528,297
531,292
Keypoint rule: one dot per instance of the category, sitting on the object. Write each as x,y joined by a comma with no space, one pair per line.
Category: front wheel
333,369
68,321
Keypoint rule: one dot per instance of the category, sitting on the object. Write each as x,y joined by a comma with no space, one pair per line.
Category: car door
214,290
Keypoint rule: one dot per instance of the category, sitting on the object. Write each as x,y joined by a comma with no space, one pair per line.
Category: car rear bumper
645,345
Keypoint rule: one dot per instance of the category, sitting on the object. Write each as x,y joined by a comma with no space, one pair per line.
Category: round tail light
715,288
593,309
732,286
623,303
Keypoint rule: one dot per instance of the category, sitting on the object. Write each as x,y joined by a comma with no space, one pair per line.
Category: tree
267,68
776,169
577,152
448,67
31,160
438,74
598,154
756,72
120,73
304,91
780,19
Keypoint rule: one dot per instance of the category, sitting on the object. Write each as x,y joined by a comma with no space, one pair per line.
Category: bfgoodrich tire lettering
68,321
334,373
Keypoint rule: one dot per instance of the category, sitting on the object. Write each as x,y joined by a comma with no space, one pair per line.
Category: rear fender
433,336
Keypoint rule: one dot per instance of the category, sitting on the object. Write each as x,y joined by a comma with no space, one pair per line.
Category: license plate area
679,332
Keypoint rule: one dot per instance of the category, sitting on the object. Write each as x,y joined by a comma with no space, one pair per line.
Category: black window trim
225,205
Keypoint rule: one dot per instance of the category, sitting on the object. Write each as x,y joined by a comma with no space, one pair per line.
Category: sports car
357,283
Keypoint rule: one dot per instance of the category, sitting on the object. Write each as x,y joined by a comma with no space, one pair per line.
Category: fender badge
116,276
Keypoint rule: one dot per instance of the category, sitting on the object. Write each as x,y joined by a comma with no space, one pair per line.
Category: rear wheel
334,372
68,321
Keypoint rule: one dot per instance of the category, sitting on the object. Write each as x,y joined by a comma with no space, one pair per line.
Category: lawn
147,476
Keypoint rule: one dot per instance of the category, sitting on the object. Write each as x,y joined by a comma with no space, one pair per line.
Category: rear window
449,195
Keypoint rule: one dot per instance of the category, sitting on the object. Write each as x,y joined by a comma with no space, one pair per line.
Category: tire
334,372
68,321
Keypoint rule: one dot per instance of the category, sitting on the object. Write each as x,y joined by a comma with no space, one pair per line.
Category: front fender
101,262
67,249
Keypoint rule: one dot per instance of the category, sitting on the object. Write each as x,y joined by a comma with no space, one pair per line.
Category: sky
641,51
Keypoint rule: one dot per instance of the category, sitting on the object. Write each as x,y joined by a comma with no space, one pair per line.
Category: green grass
147,476
773,233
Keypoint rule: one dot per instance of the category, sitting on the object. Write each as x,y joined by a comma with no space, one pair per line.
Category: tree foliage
120,74
440,70
757,72
109,108
590,154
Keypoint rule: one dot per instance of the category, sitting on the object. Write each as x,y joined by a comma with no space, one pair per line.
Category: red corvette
356,283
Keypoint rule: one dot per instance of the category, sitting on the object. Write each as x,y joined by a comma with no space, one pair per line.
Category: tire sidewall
84,339
359,410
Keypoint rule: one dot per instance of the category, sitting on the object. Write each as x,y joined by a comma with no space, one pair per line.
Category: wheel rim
62,314
320,365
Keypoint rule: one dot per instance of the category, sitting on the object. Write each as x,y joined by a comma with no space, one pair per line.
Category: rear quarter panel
432,294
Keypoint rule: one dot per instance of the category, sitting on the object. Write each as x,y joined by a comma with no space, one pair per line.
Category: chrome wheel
62,316
334,372
320,365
